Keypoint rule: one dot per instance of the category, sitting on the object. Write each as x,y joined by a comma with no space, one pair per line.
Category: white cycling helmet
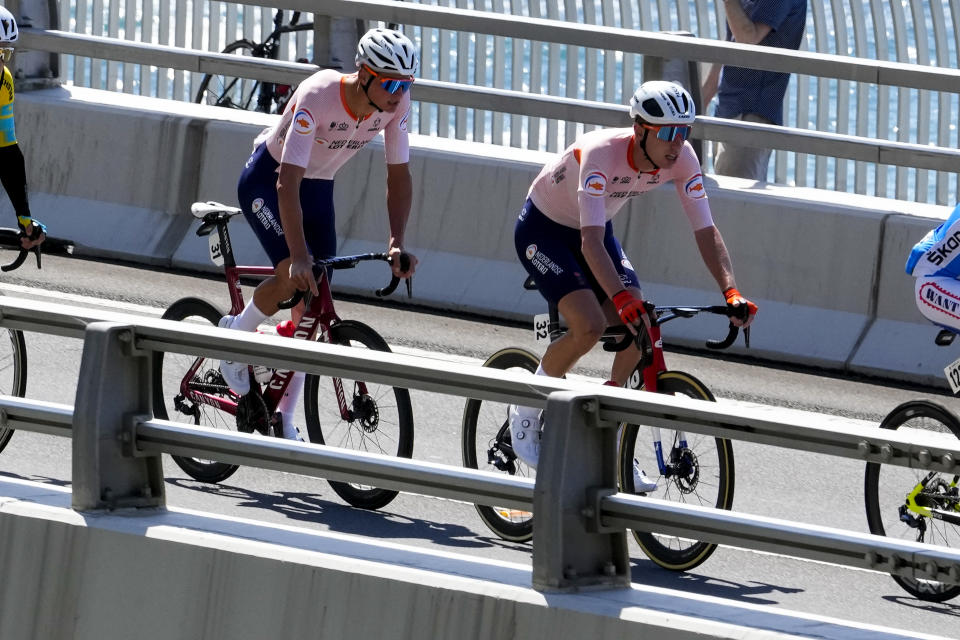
8,27
388,51
662,102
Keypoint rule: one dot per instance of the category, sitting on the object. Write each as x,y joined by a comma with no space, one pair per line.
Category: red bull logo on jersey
303,122
940,299
694,187
595,184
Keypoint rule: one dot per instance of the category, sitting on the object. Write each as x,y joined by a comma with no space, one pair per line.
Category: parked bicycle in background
246,93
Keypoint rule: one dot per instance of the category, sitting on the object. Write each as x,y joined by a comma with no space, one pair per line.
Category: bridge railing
459,46
580,537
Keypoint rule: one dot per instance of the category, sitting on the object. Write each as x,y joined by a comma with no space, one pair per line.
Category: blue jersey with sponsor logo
938,254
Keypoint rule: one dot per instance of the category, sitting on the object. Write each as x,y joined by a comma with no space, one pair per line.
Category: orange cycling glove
735,300
629,308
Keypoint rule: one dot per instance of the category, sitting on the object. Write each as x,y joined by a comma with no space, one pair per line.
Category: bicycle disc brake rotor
686,470
365,412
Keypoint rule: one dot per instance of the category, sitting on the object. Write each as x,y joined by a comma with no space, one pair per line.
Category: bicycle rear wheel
700,473
169,403
901,501
485,438
379,417
13,371
230,91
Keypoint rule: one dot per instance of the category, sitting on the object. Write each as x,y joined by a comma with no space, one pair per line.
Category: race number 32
541,327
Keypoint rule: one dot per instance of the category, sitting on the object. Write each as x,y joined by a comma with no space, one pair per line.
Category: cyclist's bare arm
715,256
291,217
399,202
591,243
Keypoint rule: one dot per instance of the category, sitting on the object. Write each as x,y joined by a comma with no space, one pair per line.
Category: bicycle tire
386,426
230,91
886,488
13,372
705,452
168,372
490,420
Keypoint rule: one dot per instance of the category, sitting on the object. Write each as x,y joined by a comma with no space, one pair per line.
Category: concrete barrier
117,174
158,574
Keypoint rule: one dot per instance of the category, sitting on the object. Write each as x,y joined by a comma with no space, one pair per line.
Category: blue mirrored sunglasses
392,85
669,133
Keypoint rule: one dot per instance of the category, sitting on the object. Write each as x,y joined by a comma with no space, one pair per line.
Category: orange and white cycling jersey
319,132
593,178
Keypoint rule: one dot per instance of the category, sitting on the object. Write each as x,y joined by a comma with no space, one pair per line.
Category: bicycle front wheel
485,440
230,91
697,469
13,371
170,402
365,416
910,504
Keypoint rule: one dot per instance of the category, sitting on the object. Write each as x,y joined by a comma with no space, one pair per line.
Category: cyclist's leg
320,232
939,301
624,362
257,195
550,252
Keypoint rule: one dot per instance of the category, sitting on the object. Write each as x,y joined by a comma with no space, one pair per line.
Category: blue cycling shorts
257,192
550,252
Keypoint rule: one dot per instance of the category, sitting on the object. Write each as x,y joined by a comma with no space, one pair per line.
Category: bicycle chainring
252,414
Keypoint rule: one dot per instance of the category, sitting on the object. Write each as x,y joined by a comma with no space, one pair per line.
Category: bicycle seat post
226,247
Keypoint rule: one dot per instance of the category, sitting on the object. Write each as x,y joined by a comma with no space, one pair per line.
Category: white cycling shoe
525,434
642,483
235,373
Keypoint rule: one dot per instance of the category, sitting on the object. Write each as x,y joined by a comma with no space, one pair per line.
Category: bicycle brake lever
746,337
410,287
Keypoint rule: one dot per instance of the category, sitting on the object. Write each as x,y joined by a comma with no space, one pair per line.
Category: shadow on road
944,608
647,573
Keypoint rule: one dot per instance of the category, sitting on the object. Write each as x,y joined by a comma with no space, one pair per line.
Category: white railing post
113,392
572,549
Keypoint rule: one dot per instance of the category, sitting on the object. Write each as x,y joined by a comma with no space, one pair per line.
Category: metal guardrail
117,445
516,102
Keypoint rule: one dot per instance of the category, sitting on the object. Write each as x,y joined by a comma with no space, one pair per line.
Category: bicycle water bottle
286,328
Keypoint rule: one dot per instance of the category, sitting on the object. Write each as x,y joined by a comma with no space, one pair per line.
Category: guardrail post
572,549
112,393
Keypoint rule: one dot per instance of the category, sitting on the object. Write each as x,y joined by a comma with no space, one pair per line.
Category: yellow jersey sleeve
8,135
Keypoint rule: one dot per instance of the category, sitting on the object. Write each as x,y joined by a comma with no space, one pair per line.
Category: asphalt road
782,483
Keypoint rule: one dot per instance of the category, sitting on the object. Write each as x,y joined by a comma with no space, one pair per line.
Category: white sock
288,404
249,319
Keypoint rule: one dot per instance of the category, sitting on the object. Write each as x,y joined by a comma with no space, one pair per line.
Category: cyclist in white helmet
13,173
286,188
564,236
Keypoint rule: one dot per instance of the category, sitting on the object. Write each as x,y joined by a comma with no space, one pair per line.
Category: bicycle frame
653,364
318,316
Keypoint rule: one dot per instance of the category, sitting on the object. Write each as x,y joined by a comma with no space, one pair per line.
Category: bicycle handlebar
349,262
664,314
10,238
